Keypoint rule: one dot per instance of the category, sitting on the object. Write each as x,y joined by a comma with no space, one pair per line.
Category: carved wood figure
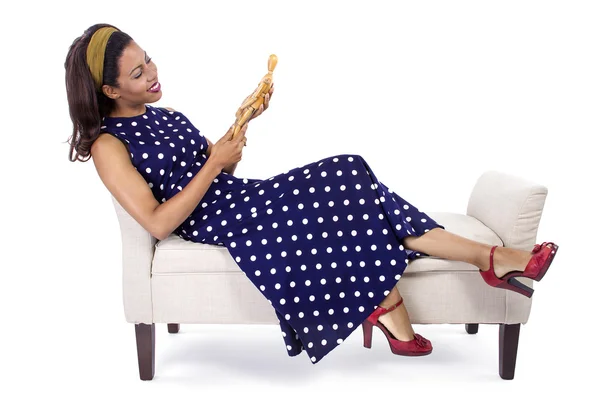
256,99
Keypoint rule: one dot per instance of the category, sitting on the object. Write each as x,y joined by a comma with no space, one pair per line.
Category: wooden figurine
256,99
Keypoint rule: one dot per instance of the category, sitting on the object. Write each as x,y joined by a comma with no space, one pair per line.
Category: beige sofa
174,281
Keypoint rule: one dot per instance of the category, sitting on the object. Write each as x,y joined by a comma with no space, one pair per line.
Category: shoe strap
382,310
492,259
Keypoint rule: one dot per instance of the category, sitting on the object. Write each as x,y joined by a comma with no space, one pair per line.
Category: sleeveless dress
322,242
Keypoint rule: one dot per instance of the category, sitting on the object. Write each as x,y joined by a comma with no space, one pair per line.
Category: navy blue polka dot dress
322,242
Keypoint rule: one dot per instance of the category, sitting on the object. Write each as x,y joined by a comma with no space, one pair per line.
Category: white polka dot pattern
322,242
164,146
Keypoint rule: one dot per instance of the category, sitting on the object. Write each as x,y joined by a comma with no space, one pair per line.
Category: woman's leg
441,243
396,321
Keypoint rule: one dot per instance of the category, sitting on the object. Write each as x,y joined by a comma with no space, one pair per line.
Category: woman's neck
120,112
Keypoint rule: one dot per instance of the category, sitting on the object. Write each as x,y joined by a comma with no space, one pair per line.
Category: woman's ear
110,92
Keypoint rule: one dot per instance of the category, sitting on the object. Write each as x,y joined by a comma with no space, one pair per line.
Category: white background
431,93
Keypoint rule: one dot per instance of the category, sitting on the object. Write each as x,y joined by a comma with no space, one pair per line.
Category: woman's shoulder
167,110
110,137
170,113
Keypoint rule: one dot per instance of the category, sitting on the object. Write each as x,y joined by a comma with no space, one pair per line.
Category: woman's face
138,79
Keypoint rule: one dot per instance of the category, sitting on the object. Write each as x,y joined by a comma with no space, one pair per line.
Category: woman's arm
230,169
125,183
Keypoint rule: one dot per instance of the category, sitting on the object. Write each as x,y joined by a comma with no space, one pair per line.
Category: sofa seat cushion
175,255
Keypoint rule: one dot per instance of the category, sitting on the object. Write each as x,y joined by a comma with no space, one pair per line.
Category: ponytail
87,105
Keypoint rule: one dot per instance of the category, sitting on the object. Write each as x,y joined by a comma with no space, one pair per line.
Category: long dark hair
87,106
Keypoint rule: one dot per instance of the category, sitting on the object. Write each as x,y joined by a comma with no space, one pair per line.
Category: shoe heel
516,286
367,334
509,280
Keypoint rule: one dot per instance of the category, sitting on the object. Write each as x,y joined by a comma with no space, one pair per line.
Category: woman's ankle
398,324
392,298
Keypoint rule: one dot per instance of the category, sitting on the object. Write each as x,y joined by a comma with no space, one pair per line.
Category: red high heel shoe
535,269
419,346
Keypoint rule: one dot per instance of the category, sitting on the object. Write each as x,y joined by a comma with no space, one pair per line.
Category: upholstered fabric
176,281
510,206
177,256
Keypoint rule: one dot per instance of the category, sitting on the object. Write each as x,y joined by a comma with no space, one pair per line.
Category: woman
325,243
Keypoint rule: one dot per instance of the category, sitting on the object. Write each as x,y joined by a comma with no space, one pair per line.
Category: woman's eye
147,62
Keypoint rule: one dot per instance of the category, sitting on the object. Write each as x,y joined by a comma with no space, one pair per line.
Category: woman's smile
154,88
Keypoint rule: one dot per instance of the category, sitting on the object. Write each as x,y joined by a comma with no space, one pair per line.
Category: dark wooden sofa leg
472,328
173,328
509,341
145,338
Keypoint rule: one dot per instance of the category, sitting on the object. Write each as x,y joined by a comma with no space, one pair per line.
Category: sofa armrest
510,206
138,253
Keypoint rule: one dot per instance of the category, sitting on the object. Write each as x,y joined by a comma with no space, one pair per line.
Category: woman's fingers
243,133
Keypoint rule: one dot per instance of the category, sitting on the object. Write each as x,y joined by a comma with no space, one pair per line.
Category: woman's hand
228,151
263,106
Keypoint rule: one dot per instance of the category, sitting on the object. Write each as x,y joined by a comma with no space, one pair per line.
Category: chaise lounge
175,281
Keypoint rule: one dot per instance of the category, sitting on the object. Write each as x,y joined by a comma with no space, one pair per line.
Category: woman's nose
153,69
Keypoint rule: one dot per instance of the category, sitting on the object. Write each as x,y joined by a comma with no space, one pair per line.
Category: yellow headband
95,53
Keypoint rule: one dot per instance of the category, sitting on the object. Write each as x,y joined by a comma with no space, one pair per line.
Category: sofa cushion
174,255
